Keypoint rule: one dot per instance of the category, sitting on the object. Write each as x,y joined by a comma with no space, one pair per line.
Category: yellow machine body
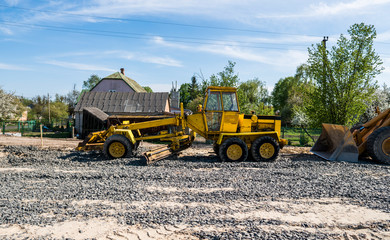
219,120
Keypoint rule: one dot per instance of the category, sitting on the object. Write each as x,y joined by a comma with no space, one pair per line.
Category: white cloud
142,57
327,9
271,57
78,66
133,56
386,65
6,30
324,9
161,61
382,37
5,66
12,2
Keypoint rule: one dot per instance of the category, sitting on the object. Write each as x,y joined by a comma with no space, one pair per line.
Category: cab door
230,112
213,111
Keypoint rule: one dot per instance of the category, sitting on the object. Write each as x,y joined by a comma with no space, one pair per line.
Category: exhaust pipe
336,143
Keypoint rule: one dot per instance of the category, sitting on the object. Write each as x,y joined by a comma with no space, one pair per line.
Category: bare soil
53,192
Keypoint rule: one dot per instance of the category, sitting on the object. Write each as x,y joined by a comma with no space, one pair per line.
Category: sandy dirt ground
337,217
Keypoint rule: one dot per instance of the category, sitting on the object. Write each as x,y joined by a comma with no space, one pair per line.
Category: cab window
214,102
229,101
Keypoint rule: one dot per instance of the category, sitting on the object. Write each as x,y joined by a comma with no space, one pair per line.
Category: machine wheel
233,150
216,148
378,145
265,149
117,146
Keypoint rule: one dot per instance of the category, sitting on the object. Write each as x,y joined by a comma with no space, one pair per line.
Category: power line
116,33
159,22
141,36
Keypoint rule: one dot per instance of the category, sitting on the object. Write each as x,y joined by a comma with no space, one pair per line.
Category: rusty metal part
336,144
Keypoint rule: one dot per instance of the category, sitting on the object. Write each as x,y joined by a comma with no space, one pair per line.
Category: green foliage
304,139
148,89
71,99
253,95
58,110
226,78
289,95
40,108
185,94
343,77
194,88
91,82
193,104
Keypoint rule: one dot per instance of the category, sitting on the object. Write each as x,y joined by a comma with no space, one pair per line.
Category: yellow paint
117,149
229,122
266,150
234,152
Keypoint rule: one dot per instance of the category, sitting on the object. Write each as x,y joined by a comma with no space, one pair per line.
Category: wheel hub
267,150
386,146
234,152
117,149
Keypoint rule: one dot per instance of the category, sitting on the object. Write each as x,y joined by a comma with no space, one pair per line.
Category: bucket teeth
157,154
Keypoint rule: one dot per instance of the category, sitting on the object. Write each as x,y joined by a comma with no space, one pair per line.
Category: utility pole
324,56
324,41
48,100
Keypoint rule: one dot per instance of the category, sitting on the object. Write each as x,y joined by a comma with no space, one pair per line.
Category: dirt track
58,193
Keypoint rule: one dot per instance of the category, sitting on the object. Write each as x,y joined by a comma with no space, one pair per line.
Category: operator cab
221,106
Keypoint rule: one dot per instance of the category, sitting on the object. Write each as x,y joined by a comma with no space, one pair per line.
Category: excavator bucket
336,144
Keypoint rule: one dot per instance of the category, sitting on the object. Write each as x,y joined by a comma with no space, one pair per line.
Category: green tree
71,99
91,82
148,89
343,77
253,95
185,94
58,111
40,108
226,78
194,103
194,88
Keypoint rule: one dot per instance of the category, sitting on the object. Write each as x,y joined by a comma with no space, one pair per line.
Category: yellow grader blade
336,144
157,154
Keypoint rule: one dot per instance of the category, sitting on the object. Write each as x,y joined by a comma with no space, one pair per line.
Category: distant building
129,104
117,82
117,98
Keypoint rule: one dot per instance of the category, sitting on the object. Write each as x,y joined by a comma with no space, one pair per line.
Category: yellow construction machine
235,135
338,143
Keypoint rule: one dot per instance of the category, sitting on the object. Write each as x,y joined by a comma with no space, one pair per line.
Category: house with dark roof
129,105
117,82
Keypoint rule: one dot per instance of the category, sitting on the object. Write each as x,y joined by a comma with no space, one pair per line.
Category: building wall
112,85
79,122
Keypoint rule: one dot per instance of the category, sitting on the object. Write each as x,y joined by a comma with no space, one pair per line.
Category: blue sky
48,46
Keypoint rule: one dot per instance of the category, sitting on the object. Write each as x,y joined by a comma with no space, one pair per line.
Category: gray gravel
47,193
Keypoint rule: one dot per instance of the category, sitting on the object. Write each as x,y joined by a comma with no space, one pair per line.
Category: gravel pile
197,197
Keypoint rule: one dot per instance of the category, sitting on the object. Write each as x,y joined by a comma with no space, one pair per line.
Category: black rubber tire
121,139
223,150
255,149
374,145
216,148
